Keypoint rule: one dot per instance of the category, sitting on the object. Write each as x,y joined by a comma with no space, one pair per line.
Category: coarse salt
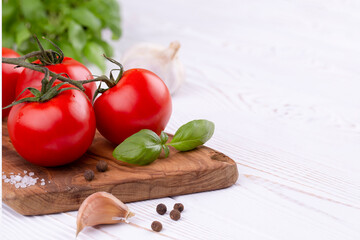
21,181
18,178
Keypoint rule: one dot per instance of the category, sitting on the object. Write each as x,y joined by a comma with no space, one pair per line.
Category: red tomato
73,68
140,100
10,76
55,132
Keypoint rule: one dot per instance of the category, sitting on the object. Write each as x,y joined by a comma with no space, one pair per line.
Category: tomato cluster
60,130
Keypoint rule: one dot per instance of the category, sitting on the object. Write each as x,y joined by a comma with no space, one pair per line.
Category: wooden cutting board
199,170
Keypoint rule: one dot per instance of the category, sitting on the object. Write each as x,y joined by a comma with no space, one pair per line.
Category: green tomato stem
21,62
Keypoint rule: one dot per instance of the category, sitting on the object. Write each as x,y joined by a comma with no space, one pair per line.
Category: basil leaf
92,52
113,20
86,18
164,137
7,41
192,134
8,15
166,150
142,148
22,34
107,47
77,35
33,9
70,51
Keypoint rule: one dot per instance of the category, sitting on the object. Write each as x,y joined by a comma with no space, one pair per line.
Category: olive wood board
199,170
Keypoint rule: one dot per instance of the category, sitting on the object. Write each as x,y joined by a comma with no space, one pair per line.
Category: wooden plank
200,170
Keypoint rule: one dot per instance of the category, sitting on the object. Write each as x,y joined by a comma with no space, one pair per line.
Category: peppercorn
156,226
175,215
101,166
179,207
89,175
161,209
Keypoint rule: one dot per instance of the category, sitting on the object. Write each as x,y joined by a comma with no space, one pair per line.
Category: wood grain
199,170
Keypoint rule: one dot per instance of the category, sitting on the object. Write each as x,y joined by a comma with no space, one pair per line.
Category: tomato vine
50,57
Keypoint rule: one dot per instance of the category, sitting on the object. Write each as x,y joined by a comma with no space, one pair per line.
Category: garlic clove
163,61
101,208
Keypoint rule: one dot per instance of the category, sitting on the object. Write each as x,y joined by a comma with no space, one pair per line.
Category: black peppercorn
101,166
89,175
156,226
161,209
175,215
179,207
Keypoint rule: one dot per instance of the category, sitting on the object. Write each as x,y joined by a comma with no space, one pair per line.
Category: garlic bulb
163,61
101,208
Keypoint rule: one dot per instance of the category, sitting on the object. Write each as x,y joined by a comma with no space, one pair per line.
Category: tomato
73,68
10,76
55,132
140,100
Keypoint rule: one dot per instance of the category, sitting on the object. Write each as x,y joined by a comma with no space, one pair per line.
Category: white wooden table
281,81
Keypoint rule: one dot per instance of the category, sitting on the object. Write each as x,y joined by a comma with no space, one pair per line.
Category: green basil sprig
74,25
145,146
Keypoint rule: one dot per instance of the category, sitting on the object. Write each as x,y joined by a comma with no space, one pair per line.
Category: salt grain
19,181
25,171
43,183
18,178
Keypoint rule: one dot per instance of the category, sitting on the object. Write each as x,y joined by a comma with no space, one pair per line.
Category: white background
280,79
